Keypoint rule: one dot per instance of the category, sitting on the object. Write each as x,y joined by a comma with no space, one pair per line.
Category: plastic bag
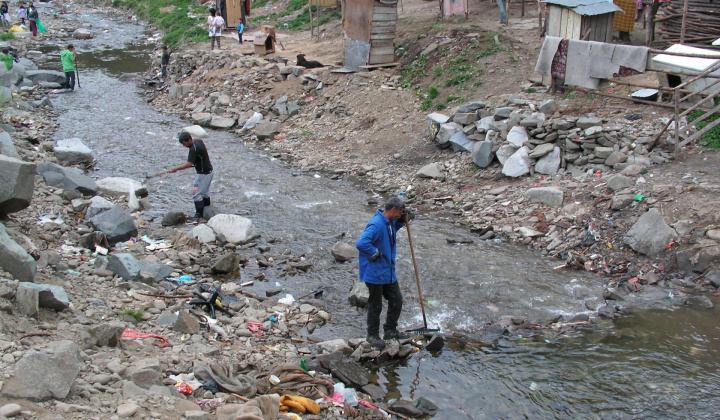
252,122
40,26
133,203
16,28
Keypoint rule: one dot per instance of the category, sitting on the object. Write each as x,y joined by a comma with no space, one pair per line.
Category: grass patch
135,313
440,106
306,133
7,36
171,17
433,93
710,139
426,104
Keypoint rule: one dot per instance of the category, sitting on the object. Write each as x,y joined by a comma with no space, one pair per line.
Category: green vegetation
301,19
135,313
173,17
7,36
710,139
306,133
433,93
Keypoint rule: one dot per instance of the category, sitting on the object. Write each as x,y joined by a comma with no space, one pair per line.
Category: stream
649,364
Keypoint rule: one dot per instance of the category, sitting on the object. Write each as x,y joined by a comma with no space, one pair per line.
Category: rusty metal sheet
358,19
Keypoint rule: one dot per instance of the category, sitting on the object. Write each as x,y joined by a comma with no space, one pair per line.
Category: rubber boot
206,201
199,207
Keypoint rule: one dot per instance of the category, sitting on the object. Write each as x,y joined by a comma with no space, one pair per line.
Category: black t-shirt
198,156
165,58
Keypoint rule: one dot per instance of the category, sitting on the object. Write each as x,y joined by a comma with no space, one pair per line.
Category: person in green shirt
67,57
7,58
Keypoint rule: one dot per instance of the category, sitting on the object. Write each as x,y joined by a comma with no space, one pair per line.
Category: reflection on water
650,365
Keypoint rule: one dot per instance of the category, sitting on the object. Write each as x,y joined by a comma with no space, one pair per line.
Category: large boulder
14,259
82,33
222,122
97,205
45,76
517,136
445,132
650,234
265,130
344,252
431,170
7,147
505,152
124,265
550,163
116,186
232,228
45,374
518,164
550,196
461,143
67,178
73,151
49,296
482,153
117,224
158,272
18,183
433,122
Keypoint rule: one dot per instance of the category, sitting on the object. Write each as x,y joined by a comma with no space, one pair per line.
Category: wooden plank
577,25
384,50
563,23
357,15
553,23
376,66
381,18
609,29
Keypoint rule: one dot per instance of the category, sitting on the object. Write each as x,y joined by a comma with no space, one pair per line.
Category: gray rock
433,122
549,106
504,153
265,130
518,164
232,228
66,178
14,260
27,302
203,233
49,296
633,170
201,118
117,224
18,183
158,272
615,158
344,252
350,372
471,107
482,154
7,147
10,410
107,334
124,265
465,118
550,163
146,373
222,122
585,123
484,124
52,76
503,113
603,152
40,376
517,136
620,201
359,295
461,143
166,318
97,205
116,186
73,150
650,234
226,263
541,150
186,323
446,132
550,196
619,182
698,258
431,170
82,33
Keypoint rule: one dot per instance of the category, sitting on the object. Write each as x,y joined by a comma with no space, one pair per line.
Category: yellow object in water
16,28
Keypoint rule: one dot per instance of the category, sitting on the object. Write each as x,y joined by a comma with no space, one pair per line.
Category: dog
308,64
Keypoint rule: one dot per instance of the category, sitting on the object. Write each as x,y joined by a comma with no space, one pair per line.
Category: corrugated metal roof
587,7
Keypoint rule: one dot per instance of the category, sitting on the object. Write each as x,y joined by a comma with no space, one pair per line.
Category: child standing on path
7,58
215,25
240,29
164,61
22,12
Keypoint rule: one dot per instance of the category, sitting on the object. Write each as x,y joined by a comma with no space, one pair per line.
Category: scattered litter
128,333
74,273
287,300
255,327
185,383
51,218
533,386
101,250
211,403
182,280
639,197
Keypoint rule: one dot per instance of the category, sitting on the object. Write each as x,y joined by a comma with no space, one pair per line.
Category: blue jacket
380,234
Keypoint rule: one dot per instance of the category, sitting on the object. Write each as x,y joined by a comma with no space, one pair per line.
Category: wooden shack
233,11
586,20
369,32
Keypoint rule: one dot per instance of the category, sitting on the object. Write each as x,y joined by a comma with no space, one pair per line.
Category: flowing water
653,364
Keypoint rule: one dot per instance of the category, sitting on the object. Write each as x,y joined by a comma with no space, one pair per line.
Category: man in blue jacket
377,270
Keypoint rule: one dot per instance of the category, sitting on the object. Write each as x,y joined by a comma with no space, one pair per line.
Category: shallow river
656,364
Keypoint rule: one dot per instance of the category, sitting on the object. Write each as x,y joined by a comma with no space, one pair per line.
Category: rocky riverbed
92,328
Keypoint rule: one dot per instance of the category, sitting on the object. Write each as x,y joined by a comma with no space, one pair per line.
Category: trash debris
639,197
51,218
182,280
128,333
287,300
255,327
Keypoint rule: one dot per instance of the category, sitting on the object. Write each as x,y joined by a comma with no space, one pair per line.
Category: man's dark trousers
391,293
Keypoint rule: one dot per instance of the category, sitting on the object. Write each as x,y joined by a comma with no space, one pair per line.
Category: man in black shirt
199,158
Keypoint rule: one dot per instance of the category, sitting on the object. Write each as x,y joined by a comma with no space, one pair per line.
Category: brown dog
308,64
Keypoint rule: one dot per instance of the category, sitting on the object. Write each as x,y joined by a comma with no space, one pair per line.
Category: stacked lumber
702,26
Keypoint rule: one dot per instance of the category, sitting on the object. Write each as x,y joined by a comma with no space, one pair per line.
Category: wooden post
677,122
540,17
684,22
311,19
522,9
